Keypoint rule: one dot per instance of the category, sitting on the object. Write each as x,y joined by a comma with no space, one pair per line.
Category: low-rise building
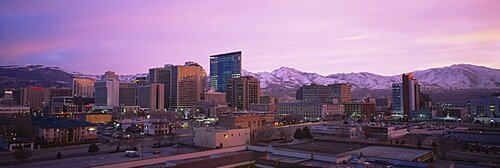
54,131
157,128
98,118
475,136
395,156
384,133
359,110
9,143
453,114
241,121
344,131
9,111
221,137
310,111
271,108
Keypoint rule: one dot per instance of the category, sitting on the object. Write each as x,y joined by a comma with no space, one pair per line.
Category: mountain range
284,80
458,76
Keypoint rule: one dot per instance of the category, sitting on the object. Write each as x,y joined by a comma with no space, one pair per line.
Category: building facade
221,138
310,111
107,93
35,97
242,92
359,110
83,87
224,67
340,92
162,75
187,85
128,94
405,97
151,96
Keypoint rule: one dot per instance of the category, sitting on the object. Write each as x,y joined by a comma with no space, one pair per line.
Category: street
68,152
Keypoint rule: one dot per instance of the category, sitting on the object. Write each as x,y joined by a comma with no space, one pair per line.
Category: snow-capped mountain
284,79
459,76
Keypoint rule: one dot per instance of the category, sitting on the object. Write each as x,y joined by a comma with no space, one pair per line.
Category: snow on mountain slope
460,76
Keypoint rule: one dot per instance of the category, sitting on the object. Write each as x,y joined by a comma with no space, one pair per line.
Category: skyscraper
162,75
186,85
35,97
83,87
107,93
340,92
151,96
223,67
242,92
313,93
405,97
127,96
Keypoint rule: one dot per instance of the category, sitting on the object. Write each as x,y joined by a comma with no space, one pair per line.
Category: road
6,158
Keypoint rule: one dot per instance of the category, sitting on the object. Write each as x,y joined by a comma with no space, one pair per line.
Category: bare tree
118,142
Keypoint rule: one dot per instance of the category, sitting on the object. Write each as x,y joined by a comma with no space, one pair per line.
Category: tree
59,155
118,142
93,148
298,134
306,133
22,154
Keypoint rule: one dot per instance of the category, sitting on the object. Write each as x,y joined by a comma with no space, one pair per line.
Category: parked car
156,152
131,154
177,146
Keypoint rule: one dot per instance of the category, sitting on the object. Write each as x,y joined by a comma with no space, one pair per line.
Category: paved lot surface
6,158
87,161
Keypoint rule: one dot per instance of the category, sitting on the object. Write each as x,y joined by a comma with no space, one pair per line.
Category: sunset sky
383,37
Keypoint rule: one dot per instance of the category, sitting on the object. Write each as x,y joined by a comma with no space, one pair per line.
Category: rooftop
60,123
227,54
390,152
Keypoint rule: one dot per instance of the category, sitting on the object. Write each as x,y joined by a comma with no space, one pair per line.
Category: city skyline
324,37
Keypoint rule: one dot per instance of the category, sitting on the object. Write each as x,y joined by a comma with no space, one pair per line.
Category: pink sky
383,37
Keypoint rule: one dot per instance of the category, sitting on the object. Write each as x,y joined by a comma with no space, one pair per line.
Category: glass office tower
224,67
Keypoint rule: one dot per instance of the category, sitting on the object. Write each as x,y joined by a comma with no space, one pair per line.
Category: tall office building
162,75
242,92
151,96
313,93
186,85
35,97
83,87
107,93
223,67
340,92
405,97
127,95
